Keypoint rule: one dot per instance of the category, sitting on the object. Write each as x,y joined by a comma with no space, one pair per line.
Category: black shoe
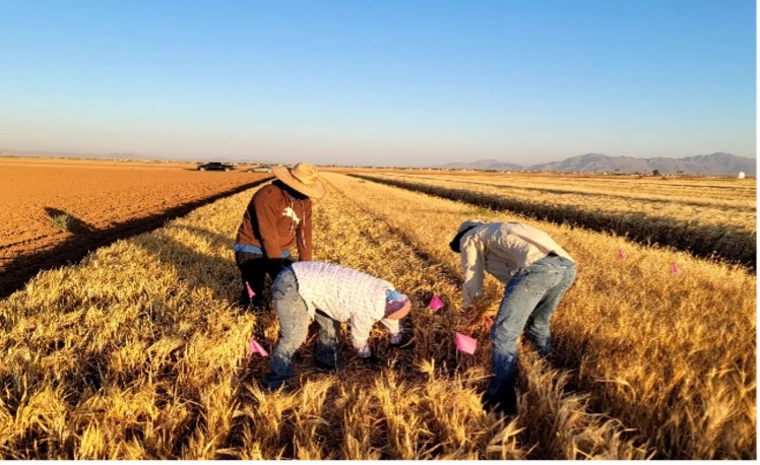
322,366
285,388
243,303
258,306
504,404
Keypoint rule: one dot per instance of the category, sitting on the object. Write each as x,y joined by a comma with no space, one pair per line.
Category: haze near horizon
394,83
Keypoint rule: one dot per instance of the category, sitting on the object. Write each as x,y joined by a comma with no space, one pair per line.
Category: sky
382,82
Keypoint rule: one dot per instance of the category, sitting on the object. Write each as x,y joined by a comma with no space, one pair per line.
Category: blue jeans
530,297
294,328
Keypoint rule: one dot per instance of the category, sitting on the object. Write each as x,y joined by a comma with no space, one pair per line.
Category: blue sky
384,82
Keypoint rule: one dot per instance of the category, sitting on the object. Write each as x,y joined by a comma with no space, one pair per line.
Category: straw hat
302,177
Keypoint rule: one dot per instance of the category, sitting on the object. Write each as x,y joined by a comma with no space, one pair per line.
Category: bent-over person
537,272
330,294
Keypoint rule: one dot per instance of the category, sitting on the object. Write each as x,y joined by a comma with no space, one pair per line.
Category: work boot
259,306
503,404
322,366
327,358
271,386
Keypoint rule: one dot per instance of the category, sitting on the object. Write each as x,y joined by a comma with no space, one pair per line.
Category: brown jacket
275,221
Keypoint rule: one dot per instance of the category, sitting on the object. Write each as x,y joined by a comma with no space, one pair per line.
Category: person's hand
364,351
401,340
371,361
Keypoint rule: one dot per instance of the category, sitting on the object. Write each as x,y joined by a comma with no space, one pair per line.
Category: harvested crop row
670,354
732,243
738,200
720,188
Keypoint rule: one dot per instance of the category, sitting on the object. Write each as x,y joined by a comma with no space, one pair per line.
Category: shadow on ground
20,270
67,222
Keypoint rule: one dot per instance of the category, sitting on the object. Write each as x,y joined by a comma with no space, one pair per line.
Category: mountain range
718,163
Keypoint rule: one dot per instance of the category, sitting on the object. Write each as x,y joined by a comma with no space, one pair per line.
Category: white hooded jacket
502,249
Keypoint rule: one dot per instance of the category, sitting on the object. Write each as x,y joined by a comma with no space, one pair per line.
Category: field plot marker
621,254
674,268
251,294
465,344
436,303
255,348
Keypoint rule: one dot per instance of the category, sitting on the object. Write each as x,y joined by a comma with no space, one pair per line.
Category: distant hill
483,165
715,164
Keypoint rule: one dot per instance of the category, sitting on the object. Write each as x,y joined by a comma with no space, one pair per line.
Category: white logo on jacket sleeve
292,214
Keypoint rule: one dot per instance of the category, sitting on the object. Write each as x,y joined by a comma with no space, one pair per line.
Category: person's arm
394,329
303,235
473,269
362,321
360,335
267,214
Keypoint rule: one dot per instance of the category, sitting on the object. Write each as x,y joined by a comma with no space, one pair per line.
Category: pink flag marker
255,348
621,254
465,344
250,291
436,303
674,268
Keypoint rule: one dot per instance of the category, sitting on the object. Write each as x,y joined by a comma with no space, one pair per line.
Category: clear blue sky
384,82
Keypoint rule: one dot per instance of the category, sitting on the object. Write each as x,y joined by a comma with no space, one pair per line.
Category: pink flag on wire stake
250,291
255,348
621,254
436,303
465,344
674,268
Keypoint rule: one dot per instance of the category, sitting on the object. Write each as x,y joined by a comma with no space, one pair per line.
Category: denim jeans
293,315
530,297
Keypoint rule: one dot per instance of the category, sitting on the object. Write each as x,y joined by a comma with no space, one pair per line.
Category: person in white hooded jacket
536,271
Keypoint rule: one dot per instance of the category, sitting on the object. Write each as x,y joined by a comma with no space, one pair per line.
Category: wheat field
740,194
719,230
139,351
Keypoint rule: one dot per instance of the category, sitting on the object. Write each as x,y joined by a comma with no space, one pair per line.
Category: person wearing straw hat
331,294
277,218
537,272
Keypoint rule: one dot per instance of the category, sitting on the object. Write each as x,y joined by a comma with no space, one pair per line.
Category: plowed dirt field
98,196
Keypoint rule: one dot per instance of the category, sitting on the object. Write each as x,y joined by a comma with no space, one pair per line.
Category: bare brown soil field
98,196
